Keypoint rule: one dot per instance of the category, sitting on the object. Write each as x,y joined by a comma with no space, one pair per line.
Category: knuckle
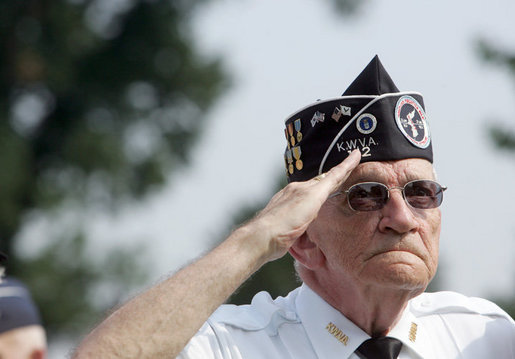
294,187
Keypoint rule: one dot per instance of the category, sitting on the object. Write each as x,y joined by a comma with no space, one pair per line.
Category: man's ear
307,252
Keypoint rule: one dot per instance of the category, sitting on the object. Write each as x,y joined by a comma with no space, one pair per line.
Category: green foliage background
100,104
501,131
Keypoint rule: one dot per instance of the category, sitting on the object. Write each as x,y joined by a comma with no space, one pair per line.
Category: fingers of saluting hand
291,210
331,181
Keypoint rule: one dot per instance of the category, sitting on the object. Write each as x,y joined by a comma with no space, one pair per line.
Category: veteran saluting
361,218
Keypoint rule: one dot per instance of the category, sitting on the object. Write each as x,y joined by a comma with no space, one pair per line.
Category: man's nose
398,216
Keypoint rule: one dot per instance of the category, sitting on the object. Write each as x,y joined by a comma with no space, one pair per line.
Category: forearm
160,322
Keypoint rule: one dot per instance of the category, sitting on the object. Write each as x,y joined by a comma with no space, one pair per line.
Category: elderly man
361,218
21,333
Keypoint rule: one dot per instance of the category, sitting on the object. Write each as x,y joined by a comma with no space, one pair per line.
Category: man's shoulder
264,313
446,302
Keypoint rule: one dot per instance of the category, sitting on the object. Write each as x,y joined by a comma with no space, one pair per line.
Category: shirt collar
333,335
411,333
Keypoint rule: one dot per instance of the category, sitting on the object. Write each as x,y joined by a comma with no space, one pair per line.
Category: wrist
258,238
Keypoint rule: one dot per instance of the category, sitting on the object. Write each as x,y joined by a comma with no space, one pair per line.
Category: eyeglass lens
372,196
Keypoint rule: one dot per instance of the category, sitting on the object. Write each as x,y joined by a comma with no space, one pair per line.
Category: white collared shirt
304,326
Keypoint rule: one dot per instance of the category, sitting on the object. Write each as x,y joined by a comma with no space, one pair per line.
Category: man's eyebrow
367,178
376,177
370,177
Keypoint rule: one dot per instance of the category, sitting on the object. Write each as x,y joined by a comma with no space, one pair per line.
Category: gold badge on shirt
413,332
337,333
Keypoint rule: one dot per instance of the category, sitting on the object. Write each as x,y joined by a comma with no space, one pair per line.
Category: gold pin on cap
296,154
290,131
297,124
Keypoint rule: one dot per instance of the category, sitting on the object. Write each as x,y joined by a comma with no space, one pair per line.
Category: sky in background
286,54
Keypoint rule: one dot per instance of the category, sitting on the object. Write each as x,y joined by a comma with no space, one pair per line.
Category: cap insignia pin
317,117
366,123
290,131
411,121
297,125
297,153
337,113
289,158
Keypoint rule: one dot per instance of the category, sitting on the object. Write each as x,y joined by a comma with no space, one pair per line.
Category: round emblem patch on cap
366,123
411,120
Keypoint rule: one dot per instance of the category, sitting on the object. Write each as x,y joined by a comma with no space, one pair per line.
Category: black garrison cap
372,115
17,309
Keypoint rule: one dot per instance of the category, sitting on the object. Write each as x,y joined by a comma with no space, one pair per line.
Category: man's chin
401,276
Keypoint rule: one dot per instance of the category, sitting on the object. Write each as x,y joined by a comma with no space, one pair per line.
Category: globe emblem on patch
366,123
411,121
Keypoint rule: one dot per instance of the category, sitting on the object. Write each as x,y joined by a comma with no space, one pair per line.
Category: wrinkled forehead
392,173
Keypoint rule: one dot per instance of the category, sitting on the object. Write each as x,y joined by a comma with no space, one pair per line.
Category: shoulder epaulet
452,302
264,313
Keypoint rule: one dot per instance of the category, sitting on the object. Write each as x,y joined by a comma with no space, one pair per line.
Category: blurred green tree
503,136
500,132
99,102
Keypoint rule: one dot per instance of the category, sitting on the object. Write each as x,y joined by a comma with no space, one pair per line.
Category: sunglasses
372,196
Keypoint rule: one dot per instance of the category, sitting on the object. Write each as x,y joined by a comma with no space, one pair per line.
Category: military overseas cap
17,309
372,115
